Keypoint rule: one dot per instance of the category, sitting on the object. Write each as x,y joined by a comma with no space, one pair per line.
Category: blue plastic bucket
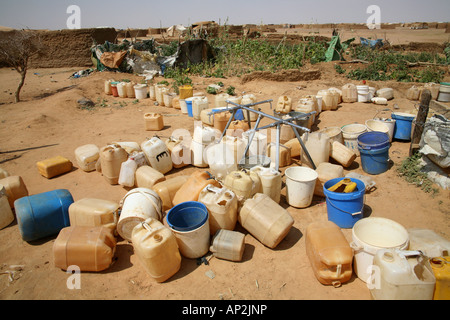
374,151
187,216
189,107
44,214
345,209
375,161
403,125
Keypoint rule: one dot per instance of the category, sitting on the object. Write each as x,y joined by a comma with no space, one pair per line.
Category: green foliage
243,56
231,90
391,65
211,90
168,49
447,52
410,170
339,69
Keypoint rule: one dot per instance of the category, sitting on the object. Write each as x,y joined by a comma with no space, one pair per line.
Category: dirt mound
282,76
42,120
419,47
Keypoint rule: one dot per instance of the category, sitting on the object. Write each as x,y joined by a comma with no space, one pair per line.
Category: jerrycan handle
151,231
213,189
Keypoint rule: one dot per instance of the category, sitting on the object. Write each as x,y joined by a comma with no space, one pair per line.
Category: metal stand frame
277,123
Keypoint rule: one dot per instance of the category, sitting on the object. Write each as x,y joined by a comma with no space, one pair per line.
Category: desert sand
49,122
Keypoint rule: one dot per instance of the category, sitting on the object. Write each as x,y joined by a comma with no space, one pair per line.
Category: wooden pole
420,121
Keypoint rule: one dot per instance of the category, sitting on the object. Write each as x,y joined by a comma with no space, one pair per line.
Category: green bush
390,65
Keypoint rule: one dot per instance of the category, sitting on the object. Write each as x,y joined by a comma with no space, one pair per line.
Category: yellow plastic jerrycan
344,186
441,271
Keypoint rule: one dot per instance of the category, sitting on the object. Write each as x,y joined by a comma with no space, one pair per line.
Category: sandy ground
49,115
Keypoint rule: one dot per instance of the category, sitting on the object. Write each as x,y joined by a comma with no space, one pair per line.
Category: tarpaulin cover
336,48
371,43
145,57
112,60
435,142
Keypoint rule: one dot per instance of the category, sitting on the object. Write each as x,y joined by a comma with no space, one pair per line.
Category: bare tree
16,51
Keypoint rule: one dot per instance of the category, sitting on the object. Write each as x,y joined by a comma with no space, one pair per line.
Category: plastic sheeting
378,43
335,49
435,141
145,59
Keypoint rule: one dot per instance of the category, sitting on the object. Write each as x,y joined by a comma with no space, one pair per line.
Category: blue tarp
371,43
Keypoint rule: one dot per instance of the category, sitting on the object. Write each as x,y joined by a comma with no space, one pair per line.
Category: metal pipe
277,163
304,149
227,126
252,135
277,124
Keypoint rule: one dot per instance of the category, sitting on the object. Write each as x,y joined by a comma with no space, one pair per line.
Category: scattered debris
12,273
85,102
210,274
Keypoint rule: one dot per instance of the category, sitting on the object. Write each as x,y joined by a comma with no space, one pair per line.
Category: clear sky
121,14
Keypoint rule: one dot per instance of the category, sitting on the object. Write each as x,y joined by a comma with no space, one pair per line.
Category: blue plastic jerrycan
44,214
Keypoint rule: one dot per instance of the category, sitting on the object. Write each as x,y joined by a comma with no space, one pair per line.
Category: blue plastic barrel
403,125
44,214
374,151
345,209
187,216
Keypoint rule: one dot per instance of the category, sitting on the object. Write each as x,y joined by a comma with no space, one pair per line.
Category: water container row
415,92
118,162
126,89
395,263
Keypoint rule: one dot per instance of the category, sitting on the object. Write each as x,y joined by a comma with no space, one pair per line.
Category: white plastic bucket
350,133
140,91
375,125
372,234
189,221
363,93
390,123
122,89
300,184
137,206
183,106
444,92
